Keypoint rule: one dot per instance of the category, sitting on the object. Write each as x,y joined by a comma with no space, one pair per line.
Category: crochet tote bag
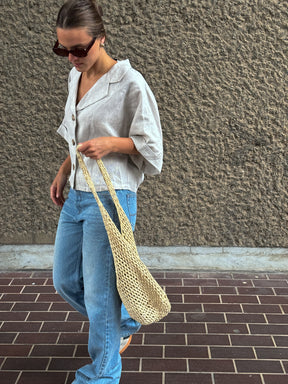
144,299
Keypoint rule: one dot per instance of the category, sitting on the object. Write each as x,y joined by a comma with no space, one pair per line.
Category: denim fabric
84,276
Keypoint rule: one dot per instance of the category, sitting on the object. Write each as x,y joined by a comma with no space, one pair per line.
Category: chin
79,67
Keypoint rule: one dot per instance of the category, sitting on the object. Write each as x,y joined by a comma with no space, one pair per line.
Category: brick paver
224,328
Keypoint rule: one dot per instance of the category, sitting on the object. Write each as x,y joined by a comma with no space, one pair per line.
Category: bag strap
126,229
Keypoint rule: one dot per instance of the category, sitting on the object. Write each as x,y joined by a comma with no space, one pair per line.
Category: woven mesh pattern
144,299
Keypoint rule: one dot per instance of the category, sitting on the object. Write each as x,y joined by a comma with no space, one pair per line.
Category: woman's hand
97,148
102,146
57,188
58,185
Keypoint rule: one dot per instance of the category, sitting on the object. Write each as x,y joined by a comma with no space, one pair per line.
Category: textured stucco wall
219,72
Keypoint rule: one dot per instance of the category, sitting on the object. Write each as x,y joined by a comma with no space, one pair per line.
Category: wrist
123,145
115,144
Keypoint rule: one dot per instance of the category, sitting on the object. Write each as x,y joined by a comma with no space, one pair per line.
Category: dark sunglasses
78,52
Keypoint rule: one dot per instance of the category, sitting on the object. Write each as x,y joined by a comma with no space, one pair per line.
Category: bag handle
126,229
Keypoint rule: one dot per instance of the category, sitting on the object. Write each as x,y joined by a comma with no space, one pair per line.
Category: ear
102,41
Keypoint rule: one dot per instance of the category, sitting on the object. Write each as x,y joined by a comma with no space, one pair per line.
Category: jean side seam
105,352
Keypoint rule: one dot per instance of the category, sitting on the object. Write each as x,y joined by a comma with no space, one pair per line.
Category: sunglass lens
61,52
79,52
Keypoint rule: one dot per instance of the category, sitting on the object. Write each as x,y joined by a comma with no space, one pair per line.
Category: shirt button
73,167
73,142
73,117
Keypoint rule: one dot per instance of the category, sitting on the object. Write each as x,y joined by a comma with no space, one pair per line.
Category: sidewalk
224,328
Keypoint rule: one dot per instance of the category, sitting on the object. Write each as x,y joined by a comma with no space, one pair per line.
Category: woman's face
79,38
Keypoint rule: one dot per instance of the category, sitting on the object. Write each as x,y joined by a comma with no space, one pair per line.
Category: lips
77,65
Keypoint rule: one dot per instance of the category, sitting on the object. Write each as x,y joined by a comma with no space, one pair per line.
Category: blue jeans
84,275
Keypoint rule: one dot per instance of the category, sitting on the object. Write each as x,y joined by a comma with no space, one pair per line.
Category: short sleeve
145,129
63,128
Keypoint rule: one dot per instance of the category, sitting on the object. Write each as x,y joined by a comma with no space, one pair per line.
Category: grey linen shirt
119,104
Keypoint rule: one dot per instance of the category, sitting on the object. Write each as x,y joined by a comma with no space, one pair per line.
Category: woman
110,113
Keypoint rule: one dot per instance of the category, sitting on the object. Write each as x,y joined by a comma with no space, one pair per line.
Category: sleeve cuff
147,161
62,131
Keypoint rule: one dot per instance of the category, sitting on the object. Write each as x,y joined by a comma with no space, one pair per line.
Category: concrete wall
219,72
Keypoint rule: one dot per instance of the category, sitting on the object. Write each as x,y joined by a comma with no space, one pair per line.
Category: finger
82,147
53,195
61,200
90,152
59,195
52,192
94,156
57,198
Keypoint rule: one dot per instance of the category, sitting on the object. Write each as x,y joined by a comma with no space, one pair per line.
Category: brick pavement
224,328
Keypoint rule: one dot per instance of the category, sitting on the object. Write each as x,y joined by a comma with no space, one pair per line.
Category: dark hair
82,14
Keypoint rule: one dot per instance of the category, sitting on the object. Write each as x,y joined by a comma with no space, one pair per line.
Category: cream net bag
144,299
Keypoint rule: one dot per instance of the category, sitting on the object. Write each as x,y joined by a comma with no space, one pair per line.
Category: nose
71,57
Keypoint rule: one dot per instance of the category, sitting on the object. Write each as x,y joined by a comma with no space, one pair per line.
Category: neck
101,66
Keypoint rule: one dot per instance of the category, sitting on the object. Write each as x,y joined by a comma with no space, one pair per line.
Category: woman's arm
58,185
102,146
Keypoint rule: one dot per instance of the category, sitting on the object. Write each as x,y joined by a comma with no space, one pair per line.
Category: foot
124,343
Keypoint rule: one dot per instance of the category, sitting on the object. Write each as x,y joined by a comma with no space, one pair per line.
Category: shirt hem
101,188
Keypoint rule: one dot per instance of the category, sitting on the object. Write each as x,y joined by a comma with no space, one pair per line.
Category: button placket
73,141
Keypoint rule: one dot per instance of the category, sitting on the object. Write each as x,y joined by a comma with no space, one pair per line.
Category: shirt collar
118,71
114,75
